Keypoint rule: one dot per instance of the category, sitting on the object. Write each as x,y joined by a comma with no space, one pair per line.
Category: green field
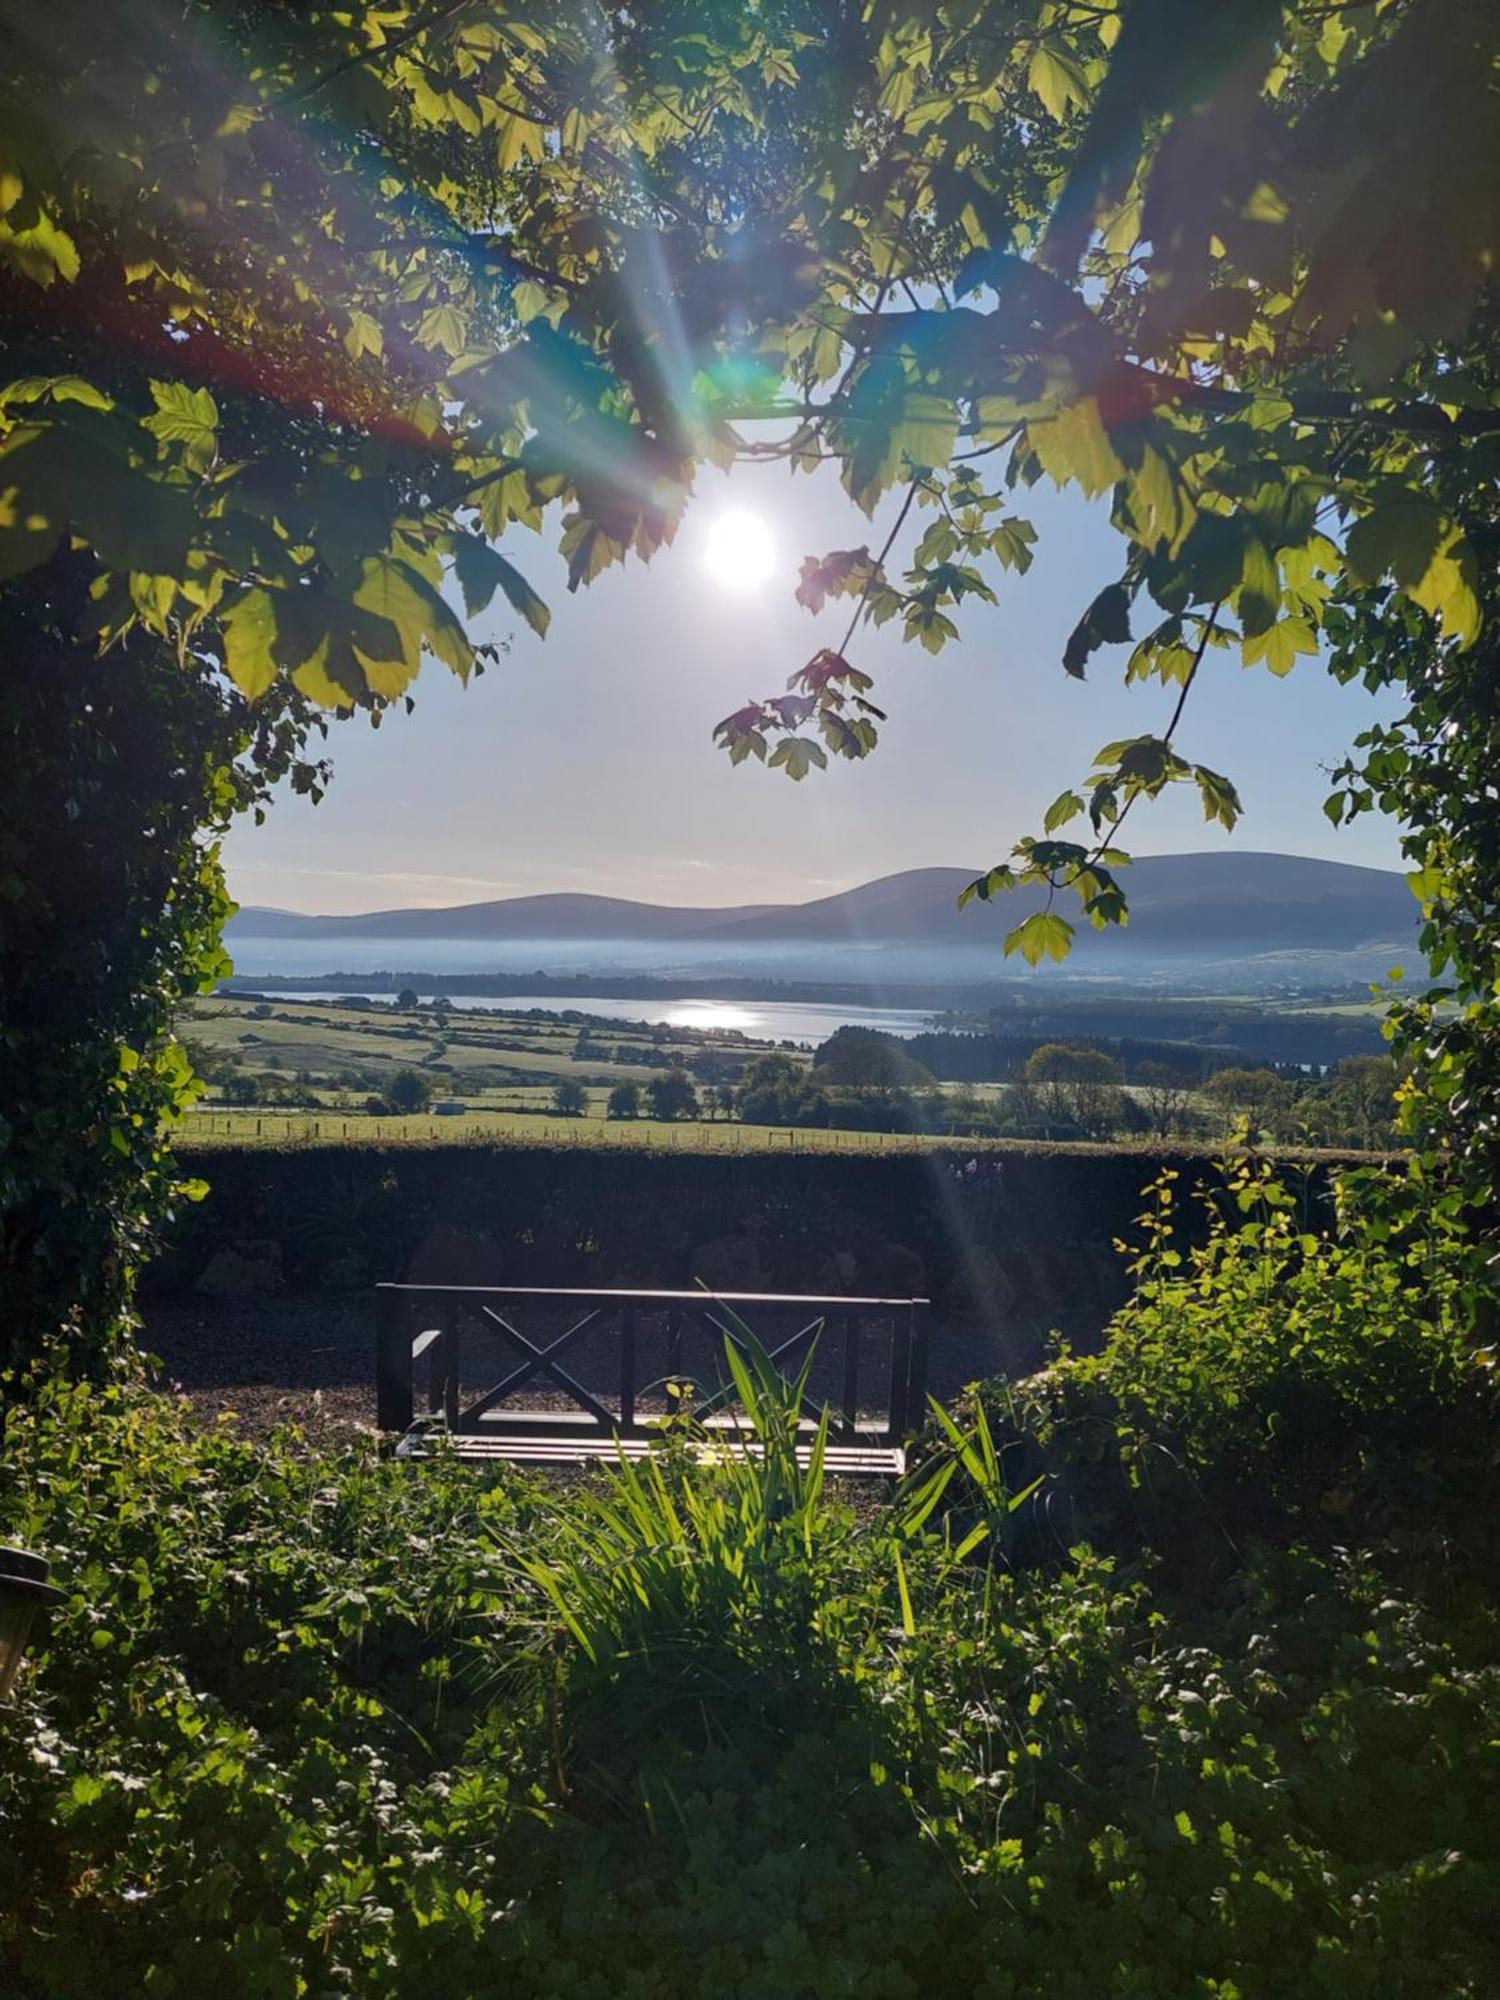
496,1071
218,1127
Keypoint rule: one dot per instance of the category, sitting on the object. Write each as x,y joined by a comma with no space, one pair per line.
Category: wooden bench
639,1343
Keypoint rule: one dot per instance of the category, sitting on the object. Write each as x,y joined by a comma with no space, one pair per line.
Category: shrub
316,1722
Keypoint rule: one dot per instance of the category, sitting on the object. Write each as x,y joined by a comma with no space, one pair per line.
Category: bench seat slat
887,1461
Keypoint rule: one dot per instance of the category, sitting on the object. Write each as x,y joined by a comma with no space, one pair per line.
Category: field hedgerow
1185,1721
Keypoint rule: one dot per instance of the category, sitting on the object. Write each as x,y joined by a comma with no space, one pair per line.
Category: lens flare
739,552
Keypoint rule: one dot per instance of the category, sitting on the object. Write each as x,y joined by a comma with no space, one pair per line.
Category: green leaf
249,628
1105,623
364,335
389,589
482,570
1043,934
1074,445
41,252
1400,538
796,755
1066,806
1160,507
1280,646
986,887
1057,80
931,627
1449,591
1426,884
443,327
1260,588
927,428
1221,802
188,417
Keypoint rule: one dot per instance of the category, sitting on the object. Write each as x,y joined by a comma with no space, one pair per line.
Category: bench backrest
630,1349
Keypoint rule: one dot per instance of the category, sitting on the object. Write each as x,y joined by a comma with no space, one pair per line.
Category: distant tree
376,1106
1020,1111
865,1059
569,1098
1355,1107
406,1000
775,1090
409,1091
1261,1097
1078,1088
240,1087
624,1101
1364,1090
1165,1097
964,1110
723,1096
673,1095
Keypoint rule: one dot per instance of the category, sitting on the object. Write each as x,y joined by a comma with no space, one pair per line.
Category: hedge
1025,1234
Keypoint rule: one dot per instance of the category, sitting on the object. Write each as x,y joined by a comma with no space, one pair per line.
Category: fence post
393,1399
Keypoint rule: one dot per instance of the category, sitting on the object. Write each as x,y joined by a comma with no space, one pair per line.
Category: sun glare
740,552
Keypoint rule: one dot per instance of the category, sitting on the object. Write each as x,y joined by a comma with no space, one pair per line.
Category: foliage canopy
310,308
306,311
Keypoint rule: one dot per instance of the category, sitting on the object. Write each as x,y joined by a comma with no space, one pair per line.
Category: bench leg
393,1397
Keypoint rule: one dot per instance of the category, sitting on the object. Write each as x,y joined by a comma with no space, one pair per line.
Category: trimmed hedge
1022,1234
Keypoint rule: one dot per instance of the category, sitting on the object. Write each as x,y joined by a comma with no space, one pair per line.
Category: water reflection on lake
759,1020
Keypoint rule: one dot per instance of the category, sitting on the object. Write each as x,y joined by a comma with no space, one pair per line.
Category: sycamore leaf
1105,623
987,886
249,627
1043,934
1074,445
364,335
1401,536
314,679
390,590
796,755
42,252
1221,802
931,627
1066,806
1057,80
443,327
188,417
1279,646
1449,591
1160,507
1260,588
1426,884
482,570
846,572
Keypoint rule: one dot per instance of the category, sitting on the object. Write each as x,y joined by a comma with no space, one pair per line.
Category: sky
585,761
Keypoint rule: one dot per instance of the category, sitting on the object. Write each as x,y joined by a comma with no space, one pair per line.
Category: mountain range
1212,904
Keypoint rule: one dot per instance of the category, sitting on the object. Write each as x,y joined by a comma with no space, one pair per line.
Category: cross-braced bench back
545,1374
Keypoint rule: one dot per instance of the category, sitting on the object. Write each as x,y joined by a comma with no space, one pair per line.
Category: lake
761,1020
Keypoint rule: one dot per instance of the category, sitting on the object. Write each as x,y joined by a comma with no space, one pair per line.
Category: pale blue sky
585,762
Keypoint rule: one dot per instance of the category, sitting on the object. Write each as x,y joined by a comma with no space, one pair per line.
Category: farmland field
492,1126
492,1077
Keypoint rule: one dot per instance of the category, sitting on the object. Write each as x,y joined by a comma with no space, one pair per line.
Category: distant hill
1218,904
514,917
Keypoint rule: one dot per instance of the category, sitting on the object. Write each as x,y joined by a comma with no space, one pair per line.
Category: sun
740,551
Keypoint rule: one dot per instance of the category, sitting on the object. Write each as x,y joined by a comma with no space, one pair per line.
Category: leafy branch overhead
309,311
